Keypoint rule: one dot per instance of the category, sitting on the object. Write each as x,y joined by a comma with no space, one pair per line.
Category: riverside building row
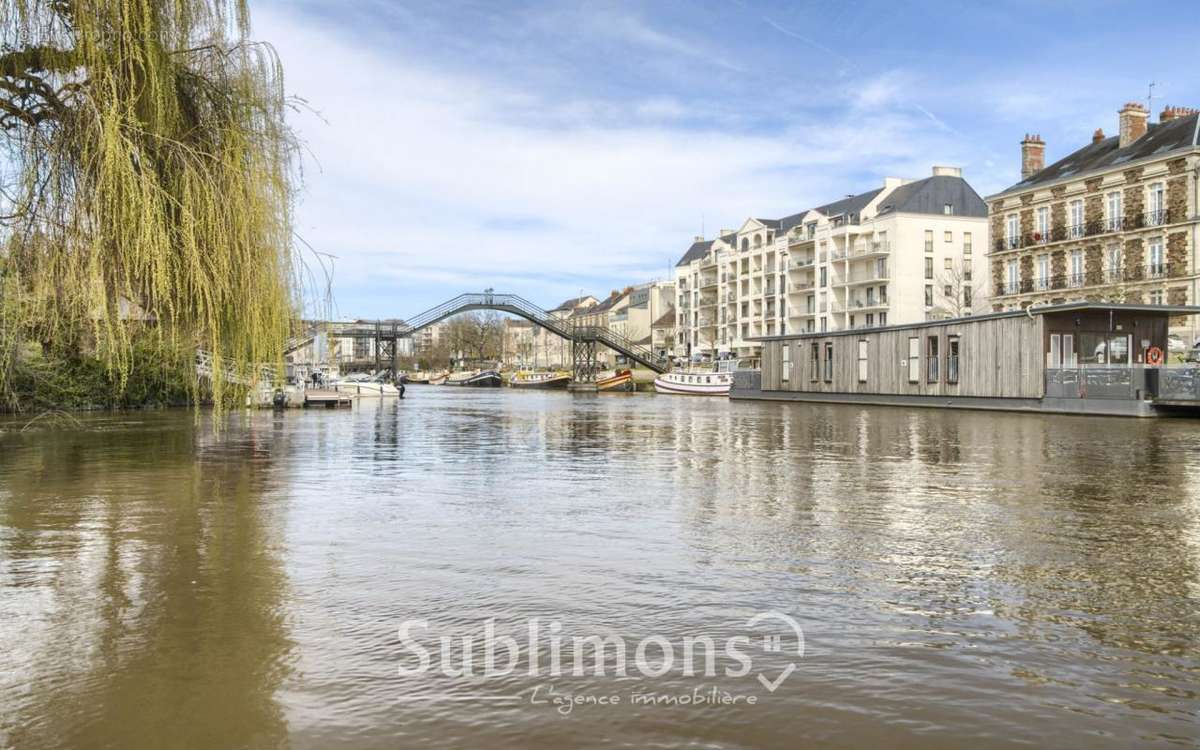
1117,221
904,252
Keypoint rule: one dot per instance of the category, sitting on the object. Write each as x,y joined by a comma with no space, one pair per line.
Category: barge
1075,358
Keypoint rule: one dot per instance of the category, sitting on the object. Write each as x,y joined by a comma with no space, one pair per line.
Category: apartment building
1113,221
901,253
728,290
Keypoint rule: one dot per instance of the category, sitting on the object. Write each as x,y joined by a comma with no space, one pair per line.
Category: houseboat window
862,360
1104,349
815,357
786,365
933,360
1054,356
1069,358
914,360
952,360
829,362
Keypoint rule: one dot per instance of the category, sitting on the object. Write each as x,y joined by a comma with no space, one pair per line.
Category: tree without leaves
148,183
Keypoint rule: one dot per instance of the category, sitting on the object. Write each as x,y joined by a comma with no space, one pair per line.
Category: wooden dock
329,399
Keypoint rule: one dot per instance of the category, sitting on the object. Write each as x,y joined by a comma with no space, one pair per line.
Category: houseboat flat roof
1066,307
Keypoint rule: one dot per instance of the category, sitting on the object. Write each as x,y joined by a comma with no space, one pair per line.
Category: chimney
1033,155
947,171
1173,113
698,238
1098,135
1133,122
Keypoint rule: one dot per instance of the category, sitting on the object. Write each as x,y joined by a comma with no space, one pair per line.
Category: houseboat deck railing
1175,383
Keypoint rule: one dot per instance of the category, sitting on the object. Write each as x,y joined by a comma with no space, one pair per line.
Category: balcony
804,263
868,249
868,275
867,304
1118,275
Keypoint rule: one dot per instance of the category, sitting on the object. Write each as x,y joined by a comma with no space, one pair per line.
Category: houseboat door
1062,368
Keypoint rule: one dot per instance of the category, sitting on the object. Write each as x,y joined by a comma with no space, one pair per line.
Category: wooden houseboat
1078,358
478,379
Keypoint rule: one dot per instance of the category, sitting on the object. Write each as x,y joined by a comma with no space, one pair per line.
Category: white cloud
433,182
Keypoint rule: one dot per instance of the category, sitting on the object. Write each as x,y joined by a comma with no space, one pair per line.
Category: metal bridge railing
517,305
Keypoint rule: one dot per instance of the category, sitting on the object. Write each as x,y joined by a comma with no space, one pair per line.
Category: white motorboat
715,382
361,384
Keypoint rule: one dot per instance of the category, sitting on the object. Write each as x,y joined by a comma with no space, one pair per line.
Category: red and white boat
621,380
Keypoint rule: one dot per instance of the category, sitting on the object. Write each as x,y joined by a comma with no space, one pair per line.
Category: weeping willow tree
147,188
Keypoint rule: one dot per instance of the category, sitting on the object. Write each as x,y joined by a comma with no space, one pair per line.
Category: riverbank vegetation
146,189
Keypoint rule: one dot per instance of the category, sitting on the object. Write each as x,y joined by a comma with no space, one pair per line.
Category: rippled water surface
961,578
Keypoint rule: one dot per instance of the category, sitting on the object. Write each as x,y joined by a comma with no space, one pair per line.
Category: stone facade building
1114,221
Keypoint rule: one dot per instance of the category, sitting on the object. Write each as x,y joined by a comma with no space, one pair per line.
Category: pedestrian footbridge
585,339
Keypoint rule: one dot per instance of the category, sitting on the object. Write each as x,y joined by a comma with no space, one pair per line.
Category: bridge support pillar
583,358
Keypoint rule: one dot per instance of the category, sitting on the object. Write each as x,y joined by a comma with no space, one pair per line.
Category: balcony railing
1153,218
1117,275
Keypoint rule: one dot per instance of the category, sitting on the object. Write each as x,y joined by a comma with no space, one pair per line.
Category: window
967,303
1114,211
966,269
1116,259
829,362
966,243
862,360
824,325
952,360
948,264
1157,205
883,294
1054,356
1076,227
948,291
814,361
948,209
1043,277
1012,231
929,268
948,237
1070,359
1157,267
785,367
1077,268
914,360
870,320
882,318
932,360
1156,297
824,276
929,240
1043,223
929,295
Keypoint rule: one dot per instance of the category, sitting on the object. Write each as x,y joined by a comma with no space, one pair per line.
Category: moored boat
481,379
694,383
526,379
621,380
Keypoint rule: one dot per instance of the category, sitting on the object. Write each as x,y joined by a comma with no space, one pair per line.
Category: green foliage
68,380
148,184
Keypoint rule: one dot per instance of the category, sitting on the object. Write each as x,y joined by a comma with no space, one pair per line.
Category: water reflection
969,577
143,587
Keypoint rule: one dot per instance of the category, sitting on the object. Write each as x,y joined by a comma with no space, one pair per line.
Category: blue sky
546,148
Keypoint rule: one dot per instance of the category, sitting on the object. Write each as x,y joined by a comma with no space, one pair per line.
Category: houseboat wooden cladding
996,357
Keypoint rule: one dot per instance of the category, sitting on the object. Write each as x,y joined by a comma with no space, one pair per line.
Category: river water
960,578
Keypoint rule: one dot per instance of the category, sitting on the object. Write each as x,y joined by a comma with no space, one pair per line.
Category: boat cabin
1085,357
